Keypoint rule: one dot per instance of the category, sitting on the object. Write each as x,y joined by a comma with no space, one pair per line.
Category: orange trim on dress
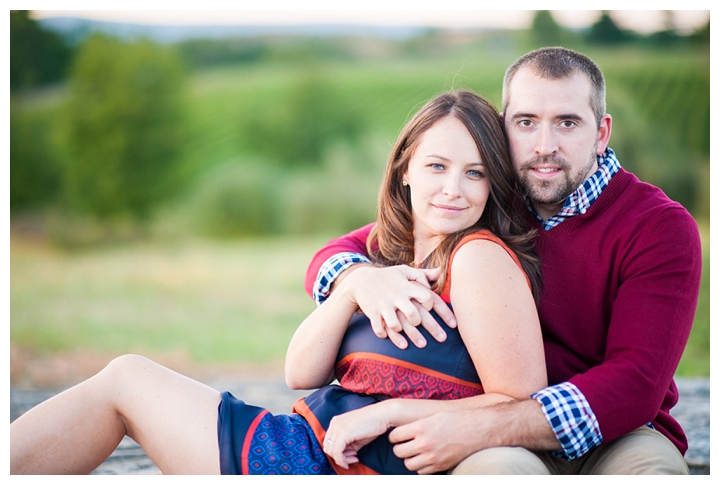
407,365
248,440
354,469
481,235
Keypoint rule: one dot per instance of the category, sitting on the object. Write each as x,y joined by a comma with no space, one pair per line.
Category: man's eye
525,123
567,124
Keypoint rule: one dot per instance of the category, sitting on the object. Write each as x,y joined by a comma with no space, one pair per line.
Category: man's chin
546,199
546,195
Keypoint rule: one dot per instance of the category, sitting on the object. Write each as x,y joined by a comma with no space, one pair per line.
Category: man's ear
604,133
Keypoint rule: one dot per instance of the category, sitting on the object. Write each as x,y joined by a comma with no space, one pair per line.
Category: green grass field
214,303
240,300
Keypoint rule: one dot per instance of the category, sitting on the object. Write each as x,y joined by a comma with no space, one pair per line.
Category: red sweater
620,288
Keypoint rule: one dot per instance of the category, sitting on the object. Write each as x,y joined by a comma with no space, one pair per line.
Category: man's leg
643,451
504,460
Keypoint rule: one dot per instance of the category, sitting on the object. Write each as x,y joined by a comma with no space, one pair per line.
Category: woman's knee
503,460
127,364
126,372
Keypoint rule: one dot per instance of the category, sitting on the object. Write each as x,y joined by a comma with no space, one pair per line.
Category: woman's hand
351,431
397,299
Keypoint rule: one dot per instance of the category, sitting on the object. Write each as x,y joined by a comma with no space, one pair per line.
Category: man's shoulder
643,199
646,212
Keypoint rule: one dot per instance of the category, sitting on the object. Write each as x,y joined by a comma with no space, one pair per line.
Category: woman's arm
313,349
499,325
310,358
498,320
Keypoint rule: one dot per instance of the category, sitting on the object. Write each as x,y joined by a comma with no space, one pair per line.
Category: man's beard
552,192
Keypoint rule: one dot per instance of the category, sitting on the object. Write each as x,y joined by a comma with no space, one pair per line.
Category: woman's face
448,185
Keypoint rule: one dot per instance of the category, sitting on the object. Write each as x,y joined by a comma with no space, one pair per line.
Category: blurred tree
701,35
668,35
37,56
34,174
545,31
123,127
202,53
297,126
606,31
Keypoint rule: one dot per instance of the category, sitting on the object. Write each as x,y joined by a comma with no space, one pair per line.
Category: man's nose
546,142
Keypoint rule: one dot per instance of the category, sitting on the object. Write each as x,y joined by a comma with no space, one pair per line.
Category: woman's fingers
335,451
398,299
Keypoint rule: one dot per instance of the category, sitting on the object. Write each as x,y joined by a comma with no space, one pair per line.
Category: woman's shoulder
497,247
482,234
478,248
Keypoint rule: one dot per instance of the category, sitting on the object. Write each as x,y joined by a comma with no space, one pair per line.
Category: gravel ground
693,412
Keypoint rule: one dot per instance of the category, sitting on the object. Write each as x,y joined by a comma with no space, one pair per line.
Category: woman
448,200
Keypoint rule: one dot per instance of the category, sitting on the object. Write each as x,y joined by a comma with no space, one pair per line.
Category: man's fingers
428,470
431,325
443,311
397,339
412,333
403,433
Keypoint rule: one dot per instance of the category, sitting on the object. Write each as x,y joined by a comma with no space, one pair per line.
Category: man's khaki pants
640,452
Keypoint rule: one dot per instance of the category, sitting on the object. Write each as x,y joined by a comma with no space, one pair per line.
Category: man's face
553,136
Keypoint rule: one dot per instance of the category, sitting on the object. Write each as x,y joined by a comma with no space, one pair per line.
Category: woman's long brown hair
391,241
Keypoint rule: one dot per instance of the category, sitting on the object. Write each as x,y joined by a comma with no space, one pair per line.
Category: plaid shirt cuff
571,418
329,272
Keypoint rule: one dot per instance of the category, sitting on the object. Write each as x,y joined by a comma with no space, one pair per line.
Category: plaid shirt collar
579,201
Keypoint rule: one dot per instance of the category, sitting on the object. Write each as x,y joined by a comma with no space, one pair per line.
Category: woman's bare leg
172,417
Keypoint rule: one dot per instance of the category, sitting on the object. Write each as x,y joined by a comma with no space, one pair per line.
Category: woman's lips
448,207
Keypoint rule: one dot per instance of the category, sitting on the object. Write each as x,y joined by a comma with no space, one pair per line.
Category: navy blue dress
368,370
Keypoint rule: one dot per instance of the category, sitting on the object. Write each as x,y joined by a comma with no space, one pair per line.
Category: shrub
235,199
122,128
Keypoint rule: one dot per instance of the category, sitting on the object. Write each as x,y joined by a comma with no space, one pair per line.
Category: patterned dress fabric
368,370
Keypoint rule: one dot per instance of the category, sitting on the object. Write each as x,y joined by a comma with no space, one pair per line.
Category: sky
455,13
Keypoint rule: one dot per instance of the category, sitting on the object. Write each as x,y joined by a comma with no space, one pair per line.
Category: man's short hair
559,63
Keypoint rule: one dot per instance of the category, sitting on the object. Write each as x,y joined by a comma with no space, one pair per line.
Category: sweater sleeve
352,243
651,315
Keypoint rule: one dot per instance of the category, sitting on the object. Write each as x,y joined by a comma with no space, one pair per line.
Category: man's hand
397,299
441,441
433,444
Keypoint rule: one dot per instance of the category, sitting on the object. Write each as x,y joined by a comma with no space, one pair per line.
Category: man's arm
353,243
441,441
652,316
648,330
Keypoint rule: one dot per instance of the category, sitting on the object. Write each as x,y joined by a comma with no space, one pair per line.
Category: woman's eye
476,174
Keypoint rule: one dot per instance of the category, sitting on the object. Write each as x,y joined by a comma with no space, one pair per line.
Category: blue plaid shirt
564,406
330,270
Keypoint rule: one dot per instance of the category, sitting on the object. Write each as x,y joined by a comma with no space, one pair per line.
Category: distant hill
77,29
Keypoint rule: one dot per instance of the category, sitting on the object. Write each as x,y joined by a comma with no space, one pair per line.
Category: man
621,275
